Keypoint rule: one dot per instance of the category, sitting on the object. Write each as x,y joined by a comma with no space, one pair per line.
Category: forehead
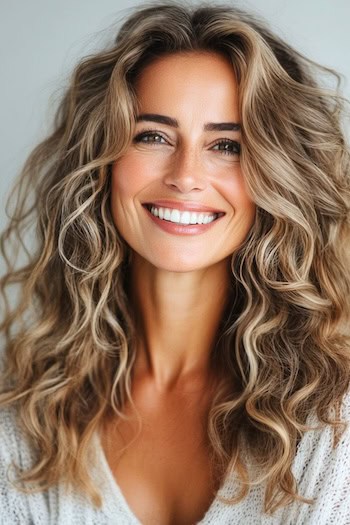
197,80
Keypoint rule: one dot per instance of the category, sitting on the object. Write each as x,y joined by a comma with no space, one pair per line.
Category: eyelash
150,132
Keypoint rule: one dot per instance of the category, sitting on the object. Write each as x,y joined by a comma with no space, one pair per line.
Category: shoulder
13,445
322,470
54,505
324,445
17,506
13,452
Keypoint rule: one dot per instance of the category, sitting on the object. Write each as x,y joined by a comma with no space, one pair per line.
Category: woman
186,359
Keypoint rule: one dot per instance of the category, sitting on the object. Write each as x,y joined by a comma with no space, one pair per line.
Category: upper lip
182,205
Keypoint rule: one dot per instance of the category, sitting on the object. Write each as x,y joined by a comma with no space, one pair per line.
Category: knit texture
321,472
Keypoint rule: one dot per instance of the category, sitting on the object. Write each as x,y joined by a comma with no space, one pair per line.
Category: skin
180,282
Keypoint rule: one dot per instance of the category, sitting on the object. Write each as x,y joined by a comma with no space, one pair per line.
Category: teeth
183,217
174,216
193,219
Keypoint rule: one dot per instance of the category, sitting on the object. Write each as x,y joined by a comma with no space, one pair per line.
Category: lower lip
181,229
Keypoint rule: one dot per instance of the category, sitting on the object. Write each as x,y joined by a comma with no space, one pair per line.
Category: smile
169,220
182,217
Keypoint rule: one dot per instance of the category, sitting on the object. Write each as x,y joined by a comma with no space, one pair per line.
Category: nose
186,172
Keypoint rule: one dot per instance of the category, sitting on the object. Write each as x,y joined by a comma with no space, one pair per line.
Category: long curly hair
283,343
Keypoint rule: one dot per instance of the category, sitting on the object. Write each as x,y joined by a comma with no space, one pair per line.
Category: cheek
132,174
125,179
122,190
235,192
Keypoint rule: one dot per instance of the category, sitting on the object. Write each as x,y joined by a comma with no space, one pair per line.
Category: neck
177,315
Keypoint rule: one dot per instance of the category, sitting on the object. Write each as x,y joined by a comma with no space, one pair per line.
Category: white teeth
175,216
183,217
193,218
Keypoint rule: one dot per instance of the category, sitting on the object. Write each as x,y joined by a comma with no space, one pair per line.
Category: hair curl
282,343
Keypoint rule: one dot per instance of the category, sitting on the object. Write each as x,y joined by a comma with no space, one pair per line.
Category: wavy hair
282,345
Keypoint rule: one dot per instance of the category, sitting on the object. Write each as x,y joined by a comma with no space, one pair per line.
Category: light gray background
41,41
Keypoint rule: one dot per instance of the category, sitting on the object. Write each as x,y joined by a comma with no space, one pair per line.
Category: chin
181,264
179,268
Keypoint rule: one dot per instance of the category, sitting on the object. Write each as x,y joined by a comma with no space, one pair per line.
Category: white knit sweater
322,473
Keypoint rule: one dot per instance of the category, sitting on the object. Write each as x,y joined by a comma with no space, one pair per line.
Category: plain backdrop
42,40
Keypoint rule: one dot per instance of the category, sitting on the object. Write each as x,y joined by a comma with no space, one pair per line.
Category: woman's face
184,163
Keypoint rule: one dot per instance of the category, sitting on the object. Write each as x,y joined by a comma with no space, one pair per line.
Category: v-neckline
114,487
117,492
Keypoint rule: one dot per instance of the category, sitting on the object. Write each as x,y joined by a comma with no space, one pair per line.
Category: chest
163,470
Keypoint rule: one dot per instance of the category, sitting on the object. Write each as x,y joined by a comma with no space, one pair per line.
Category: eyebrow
169,121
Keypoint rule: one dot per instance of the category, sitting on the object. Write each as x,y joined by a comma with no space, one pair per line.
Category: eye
228,147
149,137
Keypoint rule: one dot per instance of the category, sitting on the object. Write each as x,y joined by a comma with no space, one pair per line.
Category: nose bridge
186,171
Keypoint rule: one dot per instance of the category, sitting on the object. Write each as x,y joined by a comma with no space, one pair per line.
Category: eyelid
226,139
151,130
165,136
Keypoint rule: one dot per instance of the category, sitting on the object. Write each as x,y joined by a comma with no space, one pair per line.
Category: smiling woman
187,162
187,357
